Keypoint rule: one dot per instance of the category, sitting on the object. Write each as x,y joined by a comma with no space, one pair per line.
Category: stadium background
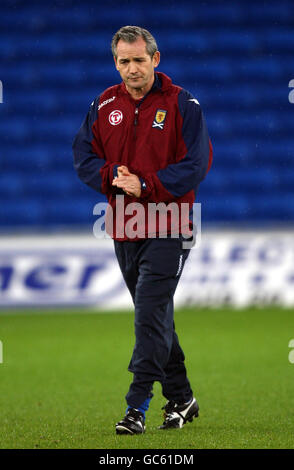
237,60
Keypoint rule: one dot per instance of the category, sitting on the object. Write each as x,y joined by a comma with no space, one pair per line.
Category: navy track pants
151,269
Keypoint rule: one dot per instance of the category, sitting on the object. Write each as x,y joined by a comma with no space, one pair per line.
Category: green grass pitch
64,378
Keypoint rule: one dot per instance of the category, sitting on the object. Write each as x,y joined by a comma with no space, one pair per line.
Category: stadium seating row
72,45
211,70
36,17
43,212
51,101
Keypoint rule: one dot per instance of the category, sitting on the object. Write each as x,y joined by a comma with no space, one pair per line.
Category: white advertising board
232,268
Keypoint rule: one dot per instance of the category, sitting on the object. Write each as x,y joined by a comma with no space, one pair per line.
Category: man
145,141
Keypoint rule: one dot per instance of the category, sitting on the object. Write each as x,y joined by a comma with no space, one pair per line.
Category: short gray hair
131,34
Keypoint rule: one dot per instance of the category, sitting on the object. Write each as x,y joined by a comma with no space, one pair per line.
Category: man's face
134,64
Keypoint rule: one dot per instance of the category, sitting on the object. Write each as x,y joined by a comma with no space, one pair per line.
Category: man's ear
156,59
115,61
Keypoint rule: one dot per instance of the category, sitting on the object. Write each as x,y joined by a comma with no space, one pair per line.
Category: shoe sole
125,430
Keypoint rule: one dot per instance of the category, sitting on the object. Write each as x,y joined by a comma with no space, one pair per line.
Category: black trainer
132,423
175,416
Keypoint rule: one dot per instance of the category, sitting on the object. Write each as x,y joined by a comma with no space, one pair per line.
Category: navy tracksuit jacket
163,139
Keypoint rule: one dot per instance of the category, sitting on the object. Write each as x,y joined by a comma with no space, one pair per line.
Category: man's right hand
123,171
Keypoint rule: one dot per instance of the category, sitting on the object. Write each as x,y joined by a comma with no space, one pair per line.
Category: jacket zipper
136,121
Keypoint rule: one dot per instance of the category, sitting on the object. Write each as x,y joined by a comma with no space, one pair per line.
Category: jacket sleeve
89,160
194,156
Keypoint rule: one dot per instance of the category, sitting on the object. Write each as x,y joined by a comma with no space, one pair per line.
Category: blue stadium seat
21,212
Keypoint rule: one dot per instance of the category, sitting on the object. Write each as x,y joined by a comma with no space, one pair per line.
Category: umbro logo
194,100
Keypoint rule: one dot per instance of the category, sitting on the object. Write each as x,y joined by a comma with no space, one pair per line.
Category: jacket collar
161,82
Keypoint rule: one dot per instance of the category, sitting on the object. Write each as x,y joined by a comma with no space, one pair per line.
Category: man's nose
132,67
